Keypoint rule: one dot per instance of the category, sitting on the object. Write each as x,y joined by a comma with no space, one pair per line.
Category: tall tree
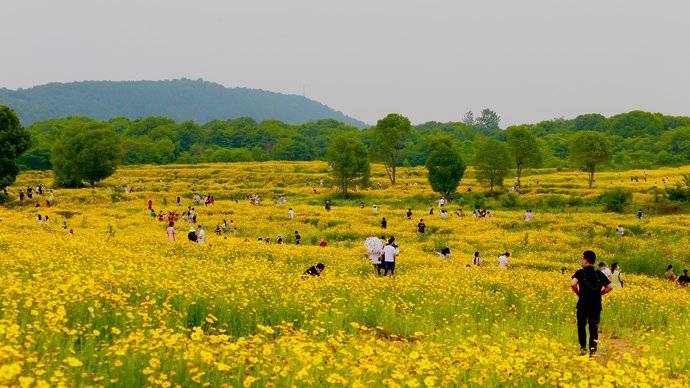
487,121
468,119
347,156
14,140
88,153
492,161
387,140
589,149
445,167
524,150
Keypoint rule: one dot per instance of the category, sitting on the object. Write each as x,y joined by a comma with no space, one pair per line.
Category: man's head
421,220
320,267
602,264
391,240
669,267
588,258
198,226
685,272
507,254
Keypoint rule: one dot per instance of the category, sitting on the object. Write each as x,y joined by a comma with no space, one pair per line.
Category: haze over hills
180,99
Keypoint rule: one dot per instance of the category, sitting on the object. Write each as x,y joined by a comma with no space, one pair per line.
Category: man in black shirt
684,279
298,238
315,270
409,214
421,226
589,285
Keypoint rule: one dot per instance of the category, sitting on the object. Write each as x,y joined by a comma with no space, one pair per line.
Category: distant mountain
181,99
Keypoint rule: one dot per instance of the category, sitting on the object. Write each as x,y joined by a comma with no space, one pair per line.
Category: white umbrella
373,244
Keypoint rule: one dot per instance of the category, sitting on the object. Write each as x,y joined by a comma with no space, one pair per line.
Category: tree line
590,142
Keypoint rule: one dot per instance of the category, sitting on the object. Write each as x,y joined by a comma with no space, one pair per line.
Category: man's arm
606,289
574,286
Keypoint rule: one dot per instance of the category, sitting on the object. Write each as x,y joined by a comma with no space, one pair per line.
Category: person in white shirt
441,202
390,251
291,214
605,270
201,235
620,230
503,260
376,209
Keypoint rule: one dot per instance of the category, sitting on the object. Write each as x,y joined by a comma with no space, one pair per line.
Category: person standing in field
375,209
384,223
171,231
421,226
298,238
150,204
390,252
409,214
291,214
201,235
639,214
503,260
616,276
589,285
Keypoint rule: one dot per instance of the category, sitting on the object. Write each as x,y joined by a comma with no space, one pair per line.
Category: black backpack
591,283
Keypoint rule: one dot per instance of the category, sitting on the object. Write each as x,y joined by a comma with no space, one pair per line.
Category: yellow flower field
117,304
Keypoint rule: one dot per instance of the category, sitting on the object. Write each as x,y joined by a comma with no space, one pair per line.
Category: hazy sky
430,60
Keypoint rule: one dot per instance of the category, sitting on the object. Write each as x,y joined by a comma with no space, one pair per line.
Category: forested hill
180,100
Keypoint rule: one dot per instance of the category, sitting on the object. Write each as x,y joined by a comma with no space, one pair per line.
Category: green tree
88,153
524,149
387,140
445,166
14,140
492,161
348,159
589,149
487,121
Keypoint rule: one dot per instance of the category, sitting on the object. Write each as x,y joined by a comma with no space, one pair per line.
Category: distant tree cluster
589,142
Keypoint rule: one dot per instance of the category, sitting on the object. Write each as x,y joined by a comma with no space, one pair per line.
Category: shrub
510,201
616,200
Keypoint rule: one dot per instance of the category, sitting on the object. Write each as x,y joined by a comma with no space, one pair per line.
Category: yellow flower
73,362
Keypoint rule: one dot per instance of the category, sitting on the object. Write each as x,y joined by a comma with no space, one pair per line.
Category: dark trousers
585,317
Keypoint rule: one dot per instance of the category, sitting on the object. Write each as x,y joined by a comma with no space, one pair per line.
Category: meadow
117,304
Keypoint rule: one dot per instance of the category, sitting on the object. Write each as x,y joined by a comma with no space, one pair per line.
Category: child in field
384,223
171,231
503,260
477,260
291,214
409,214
